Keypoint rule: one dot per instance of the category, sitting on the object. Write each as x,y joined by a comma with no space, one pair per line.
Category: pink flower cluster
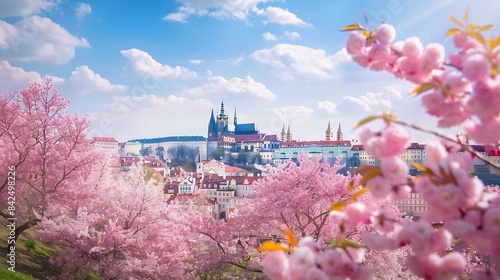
309,261
468,95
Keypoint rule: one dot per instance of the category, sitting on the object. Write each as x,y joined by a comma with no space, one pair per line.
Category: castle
220,127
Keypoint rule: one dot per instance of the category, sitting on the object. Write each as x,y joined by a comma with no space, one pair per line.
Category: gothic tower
283,134
289,134
329,133
235,122
212,126
222,122
340,135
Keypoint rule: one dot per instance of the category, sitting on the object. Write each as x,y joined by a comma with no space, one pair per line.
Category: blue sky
144,69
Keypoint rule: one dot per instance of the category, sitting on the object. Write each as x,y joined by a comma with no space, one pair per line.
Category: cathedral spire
340,135
222,109
329,132
235,119
283,133
289,134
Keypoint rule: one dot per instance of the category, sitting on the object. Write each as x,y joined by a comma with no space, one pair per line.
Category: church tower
212,126
340,135
289,134
328,133
235,122
222,122
283,134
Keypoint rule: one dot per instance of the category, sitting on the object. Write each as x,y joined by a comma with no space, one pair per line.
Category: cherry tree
461,92
123,230
45,147
297,197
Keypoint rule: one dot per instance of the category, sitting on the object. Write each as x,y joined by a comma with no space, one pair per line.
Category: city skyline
145,71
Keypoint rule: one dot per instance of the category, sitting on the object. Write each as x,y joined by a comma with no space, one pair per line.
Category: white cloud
15,78
292,60
82,10
179,17
280,16
328,106
196,61
369,101
220,9
38,39
269,36
292,114
231,9
148,116
84,81
292,35
239,86
22,8
142,63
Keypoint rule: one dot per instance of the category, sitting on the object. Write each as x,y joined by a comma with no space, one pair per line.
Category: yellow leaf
338,206
456,21
273,246
355,196
452,31
364,169
420,167
290,237
370,175
494,71
352,27
366,34
486,28
466,15
494,42
350,185
477,36
423,88
366,120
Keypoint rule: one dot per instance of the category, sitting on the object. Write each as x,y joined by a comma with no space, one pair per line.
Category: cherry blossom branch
464,146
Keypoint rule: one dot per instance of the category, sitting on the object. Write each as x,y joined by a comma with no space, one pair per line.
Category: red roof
230,168
104,139
492,151
315,143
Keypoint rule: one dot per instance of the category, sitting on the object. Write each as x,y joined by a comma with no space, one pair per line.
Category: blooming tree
125,230
297,197
46,149
456,237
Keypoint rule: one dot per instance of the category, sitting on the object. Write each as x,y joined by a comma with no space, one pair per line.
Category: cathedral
218,127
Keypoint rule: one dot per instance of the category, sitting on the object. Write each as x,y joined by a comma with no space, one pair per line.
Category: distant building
218,127
238,136
108,144
290,151
165,143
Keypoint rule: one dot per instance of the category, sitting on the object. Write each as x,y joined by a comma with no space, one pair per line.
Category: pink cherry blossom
385,34
476,64
276,265
412,48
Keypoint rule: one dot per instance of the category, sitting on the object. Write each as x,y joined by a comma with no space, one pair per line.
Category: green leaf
366,120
